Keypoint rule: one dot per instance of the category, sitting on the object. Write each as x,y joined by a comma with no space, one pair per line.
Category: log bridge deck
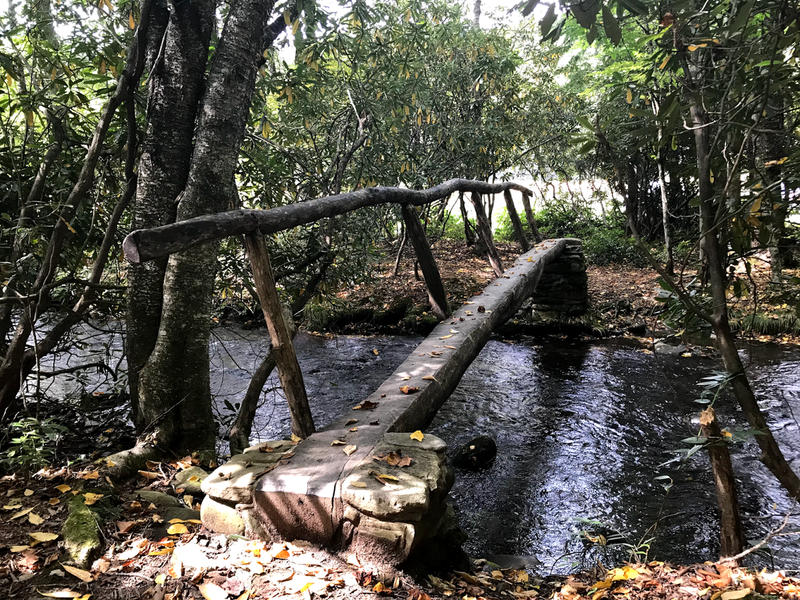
303,497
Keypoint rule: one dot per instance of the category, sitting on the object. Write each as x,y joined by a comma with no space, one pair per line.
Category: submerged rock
476,454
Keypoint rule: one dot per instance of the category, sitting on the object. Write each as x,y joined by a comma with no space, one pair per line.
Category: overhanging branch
147,244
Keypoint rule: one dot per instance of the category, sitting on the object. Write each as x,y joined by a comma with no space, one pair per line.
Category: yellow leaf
19,548
629,96
27,493
84,576
211,591
296,438
664,64
602,585
446,337
429,378
287,18
178,528
289,94
161,578
65,593
349,449
41,536
131,21
735,594
21,513
63,488
417,435
161,552
35,519
358,484
389,477
375,351
89,498
148,474
29,117
295,26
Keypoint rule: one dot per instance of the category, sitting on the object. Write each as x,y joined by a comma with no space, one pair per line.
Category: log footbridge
364,481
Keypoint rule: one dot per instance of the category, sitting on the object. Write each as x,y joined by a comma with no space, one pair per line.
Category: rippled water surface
582,429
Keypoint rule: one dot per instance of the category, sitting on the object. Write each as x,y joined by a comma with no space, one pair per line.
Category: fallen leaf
161,552
125,526
16,549
177,529
356,484
148,474
89,498
735,594
41,536
338,443
349,449
404,462
387,477
21,513
211,591
446,337
35,519
84,576
161,578
366,405
451,347
375,351
282,554
53,501
188,499
429,378
27,493
91,475
63,593
351,421
296,438
353,429
407,389
417,435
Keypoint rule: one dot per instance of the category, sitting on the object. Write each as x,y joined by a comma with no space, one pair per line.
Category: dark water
582,429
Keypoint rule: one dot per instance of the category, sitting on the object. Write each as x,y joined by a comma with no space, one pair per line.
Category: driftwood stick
146,244
519,232
430,271
485,231
282,348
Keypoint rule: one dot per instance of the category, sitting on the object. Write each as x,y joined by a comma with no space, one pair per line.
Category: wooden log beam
485,231
280,337
526,203
731,536
519,232
430,271
147,244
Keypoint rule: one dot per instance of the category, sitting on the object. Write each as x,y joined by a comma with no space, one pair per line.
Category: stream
583,430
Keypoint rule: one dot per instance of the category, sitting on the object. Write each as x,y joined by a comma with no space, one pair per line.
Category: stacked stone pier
371,482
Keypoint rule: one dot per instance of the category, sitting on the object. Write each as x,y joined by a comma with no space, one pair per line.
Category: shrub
611,245
33,444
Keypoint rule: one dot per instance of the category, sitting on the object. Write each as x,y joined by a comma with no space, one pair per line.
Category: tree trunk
771,456
469,234
662,183
512,214
731,536
177,51
174,388
526,204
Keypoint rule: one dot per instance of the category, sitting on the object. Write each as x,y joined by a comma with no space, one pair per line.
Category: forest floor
146,550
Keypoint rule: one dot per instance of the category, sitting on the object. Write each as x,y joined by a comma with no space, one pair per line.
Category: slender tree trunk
771,456
662,183
469,234
731,536
177,50
485,232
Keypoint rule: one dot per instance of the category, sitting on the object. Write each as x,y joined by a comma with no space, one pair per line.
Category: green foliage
608,245
454,228
504,229
32,444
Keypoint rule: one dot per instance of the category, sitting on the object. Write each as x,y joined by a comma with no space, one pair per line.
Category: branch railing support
289,372
485,231
430,271
526,203
519,232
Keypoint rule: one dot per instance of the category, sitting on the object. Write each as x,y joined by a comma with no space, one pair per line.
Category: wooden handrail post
285,358
430,271
485,231
512,214
526,203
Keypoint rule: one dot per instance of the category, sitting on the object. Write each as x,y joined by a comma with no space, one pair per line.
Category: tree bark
469,234
485,231
430,271
177,51
282,348
662,183
731,536
174,387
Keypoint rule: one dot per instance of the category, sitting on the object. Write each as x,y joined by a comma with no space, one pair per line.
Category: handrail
148,244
